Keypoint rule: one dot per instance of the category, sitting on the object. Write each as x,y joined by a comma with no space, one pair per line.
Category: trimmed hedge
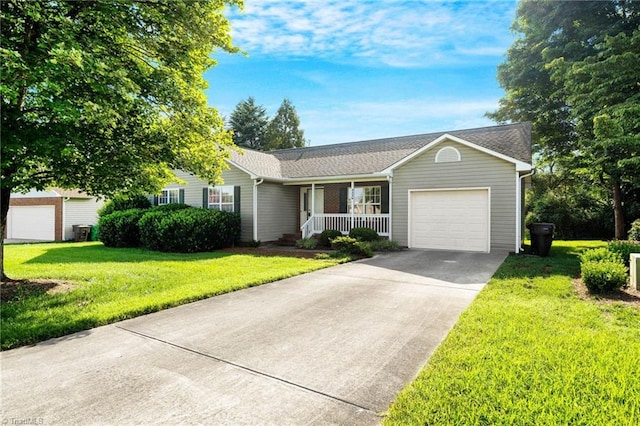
171,227
601,254
170,207
324,240
190,230
624,249
120,228
603,276
364,234
124,202
148,225
350,245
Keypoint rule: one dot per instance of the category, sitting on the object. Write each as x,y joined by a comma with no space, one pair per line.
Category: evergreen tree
283,130
249,123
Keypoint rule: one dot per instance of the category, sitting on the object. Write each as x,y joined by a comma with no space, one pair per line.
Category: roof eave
336,179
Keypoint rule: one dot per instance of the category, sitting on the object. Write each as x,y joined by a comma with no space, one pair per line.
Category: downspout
390,180
255,207
519,209
64,217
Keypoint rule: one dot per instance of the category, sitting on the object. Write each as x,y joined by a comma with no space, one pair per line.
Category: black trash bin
541,238
81,232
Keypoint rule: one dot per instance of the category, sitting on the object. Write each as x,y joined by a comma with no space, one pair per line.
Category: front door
305,203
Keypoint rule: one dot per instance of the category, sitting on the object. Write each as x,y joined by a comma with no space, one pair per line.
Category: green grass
528,351
115,284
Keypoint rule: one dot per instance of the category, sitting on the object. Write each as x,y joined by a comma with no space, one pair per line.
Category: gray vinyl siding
192,188
79,211
476,169
277,210
233,176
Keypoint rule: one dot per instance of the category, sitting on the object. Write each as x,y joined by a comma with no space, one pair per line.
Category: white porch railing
344,222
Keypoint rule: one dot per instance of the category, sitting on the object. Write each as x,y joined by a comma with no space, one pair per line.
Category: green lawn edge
117,284
529,351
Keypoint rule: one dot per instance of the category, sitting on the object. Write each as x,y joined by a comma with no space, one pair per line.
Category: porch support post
313,208
390,223
353,186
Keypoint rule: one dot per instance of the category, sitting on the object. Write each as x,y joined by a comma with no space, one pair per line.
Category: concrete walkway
329,347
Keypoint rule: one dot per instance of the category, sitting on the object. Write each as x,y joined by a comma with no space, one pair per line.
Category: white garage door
449,220
31,223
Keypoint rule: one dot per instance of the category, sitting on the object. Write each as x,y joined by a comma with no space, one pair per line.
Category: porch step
289,239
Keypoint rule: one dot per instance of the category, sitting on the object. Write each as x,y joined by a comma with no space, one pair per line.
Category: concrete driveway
329,347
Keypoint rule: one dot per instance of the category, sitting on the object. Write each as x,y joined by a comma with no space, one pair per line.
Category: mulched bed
627,296
16,289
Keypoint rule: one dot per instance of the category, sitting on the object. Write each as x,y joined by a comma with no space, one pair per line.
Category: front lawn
530,351
102,285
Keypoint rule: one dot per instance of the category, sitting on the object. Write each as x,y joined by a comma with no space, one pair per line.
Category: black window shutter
181,196
155,200
384,199
205,198
343,200
236,199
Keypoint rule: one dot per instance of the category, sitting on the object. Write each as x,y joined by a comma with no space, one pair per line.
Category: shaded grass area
529,351
110,285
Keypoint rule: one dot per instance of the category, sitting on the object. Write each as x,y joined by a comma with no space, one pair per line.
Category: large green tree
575,64
107,96
604,93
249,122
284,130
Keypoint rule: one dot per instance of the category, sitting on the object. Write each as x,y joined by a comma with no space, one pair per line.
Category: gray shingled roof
259,163
368,157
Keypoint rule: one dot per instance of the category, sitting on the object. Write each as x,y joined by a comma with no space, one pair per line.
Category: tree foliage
284,130
574,74
577,208
253,129
107,96
249,122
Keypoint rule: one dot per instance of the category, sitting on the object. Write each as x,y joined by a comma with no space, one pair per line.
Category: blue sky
358,70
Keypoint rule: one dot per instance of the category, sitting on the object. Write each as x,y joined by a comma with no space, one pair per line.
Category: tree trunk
618,213
5,197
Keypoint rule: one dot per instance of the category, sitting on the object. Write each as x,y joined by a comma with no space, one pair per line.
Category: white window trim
444,151
364,204
165,198
220,204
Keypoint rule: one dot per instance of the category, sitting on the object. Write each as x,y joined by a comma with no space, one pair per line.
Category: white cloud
396,33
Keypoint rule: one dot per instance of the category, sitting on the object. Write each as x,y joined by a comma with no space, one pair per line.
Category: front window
169,196
366,200
221,198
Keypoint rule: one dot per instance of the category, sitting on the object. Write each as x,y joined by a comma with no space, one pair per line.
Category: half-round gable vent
447,154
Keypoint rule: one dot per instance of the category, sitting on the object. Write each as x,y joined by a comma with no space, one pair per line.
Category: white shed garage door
449,220
31,223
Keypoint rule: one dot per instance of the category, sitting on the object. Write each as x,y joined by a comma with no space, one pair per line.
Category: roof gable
520,165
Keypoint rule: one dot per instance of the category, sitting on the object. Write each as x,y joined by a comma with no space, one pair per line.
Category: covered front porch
345,222
343,206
